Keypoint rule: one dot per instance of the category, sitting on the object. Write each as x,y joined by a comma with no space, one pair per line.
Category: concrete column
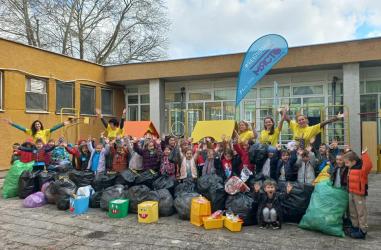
156,102
351,87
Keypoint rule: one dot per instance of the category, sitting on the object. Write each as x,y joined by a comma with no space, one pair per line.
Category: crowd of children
183,159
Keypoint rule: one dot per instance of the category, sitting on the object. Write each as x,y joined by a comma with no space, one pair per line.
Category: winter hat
271,149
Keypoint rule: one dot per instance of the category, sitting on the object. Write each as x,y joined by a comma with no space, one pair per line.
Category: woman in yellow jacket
245,133
37,130
270,134
114,128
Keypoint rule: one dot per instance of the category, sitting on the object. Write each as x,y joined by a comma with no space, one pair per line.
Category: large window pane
373,86
107,101
172,97
133,99
224,94
252,95
64,96
87,100
308,90
266,92
229,111
213,111
144,113
195,113
368,103
144,99
249,111
202,95
133,113
284,91
36,96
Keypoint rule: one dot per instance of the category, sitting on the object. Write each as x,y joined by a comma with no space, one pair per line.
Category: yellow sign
214,129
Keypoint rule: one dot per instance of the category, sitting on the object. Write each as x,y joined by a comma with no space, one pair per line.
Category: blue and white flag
262,55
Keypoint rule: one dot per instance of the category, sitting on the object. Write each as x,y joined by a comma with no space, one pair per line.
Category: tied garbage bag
95,199
164,182
146,178
44,177
295,206
126,177
136,195
103,181
164,197
325,212
242,205
57,189
110,194
212,188
81,178
187,186
183,204
10,186
34,200
27,184
258,155
63,202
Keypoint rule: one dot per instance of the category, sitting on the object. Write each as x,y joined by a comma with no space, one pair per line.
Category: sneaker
358,234
264,226
275,225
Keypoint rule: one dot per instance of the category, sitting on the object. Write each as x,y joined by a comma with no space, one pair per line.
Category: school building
316,80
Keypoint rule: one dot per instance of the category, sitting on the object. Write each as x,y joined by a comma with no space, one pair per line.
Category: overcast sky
212,27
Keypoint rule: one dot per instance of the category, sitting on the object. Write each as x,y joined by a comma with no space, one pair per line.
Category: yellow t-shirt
113,133
43,134
306,133
266,138
246,136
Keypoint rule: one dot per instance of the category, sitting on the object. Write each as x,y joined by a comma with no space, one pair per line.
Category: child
209,165
60,154
268,169
15,156
26,151
286,169
359,170
97,162
119,156
269,204
40,153
188,168
81,155
48,155
339,173
167,167
306,166
243,151
151,153
230,164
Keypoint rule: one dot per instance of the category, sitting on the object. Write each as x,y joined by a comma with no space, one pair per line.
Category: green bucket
118,208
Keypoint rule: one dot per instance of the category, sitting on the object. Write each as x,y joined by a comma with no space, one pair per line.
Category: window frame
111,101
80,98
28,81
73,97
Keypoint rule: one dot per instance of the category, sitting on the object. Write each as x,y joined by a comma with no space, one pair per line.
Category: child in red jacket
359,170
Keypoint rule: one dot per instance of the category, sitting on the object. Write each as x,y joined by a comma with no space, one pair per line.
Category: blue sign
262,55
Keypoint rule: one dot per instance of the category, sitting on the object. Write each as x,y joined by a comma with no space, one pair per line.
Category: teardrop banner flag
262,55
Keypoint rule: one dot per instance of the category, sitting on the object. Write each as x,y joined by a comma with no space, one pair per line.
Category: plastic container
200,207
79,205
233,226
148,212
118,208
210,223
196,220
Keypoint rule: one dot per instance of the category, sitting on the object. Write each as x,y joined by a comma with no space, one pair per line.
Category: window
201,95
144,99
252,94
36,95
138,103
266,92
87,100
373,86
308,90
64,96
107,101
224,94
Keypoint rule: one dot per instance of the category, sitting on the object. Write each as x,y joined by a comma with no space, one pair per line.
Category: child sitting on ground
97,162
359,170
269,204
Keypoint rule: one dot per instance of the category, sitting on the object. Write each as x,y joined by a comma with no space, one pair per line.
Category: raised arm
333,119
19,127
58,126
99,114
121,124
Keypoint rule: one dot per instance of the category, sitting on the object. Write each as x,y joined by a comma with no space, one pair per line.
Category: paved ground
49,228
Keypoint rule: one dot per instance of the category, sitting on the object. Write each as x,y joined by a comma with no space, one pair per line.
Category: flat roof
308,57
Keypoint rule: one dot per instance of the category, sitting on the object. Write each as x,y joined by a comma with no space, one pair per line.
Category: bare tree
103,31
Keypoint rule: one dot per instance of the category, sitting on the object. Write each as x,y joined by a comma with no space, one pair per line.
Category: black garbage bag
295,206
243,205
164,197
146,178
136,195
109,194
212,187
187,186
165,182
62,168
58,188
103,181
44,177
63,202
81,178
126,177
258,153
183,204
95,199
28,184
